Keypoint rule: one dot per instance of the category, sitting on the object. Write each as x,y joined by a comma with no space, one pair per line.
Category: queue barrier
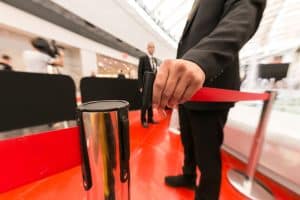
29,100
32,99
96,89
243,182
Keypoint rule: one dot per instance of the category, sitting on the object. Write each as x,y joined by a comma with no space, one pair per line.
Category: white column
88,62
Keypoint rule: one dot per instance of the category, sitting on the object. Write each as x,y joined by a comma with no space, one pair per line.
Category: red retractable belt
221,95
33,157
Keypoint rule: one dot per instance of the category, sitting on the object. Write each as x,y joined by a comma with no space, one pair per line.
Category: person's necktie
153,64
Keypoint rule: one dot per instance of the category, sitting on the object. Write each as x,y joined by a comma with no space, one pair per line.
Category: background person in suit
121,75
5,63
147,63
207,55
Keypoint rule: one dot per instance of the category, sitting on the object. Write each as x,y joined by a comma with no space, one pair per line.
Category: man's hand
176,82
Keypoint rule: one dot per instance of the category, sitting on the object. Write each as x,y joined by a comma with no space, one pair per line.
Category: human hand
176,82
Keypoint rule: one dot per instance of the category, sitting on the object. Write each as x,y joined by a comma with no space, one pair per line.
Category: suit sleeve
218,50
140,73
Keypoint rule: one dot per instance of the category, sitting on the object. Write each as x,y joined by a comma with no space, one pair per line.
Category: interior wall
111,67
18,19
14,43
89,62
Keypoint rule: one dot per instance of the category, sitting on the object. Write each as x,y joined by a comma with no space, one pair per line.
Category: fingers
189,92
176,82
169,88
179,92
197,78
159,83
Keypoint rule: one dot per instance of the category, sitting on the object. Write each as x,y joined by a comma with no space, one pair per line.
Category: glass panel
169,15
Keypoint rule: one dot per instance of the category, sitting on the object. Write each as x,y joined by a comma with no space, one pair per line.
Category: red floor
154,154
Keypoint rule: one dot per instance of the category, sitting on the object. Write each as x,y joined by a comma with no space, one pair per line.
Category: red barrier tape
30,158
221,95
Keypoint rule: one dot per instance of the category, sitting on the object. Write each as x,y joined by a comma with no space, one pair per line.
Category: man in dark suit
207,56
147,63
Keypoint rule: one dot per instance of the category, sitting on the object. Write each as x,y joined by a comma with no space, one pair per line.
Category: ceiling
125,20
56,14
169,15
127,25
278,31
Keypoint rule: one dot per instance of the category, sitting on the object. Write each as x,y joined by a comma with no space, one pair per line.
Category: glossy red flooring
154,154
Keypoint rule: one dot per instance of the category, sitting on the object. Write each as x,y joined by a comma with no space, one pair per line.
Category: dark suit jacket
144,66
212,38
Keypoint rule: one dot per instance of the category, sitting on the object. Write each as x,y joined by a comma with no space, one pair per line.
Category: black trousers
202,137
145,111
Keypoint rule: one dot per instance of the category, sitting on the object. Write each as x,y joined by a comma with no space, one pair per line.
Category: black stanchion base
254,190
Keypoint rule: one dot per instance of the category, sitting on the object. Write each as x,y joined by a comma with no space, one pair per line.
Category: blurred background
106,38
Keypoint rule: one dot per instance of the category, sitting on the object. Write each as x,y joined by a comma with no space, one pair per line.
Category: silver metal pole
259,137
246,183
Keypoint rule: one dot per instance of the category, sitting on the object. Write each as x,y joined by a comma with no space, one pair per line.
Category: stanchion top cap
103,106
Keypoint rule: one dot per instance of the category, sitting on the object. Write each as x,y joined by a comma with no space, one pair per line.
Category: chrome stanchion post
105,149
259,136
246,183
